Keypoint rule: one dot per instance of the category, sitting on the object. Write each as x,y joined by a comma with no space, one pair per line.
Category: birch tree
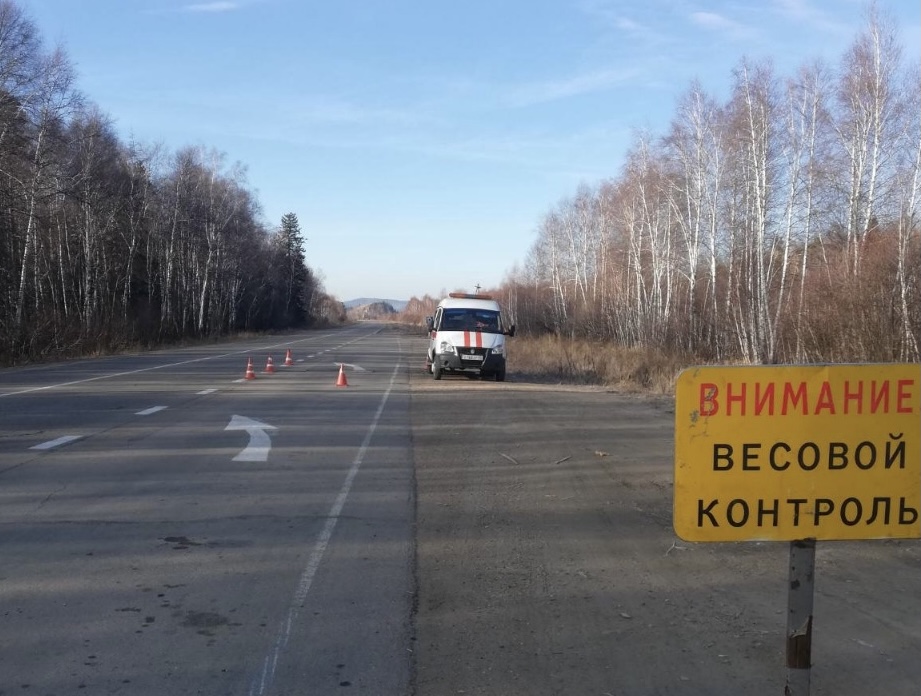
695,148
753,106
909,239
869,110
55,101
806,160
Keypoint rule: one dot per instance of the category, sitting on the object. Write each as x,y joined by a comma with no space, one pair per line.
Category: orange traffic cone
269,365
250,373
289,361
342,381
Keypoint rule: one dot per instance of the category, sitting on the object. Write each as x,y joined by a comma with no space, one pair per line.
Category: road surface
181,530
205,534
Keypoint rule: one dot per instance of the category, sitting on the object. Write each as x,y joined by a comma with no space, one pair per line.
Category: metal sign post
799,617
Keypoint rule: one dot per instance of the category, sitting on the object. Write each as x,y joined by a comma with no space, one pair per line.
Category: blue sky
420,143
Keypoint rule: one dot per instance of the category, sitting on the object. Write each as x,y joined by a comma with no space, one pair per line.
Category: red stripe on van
475,337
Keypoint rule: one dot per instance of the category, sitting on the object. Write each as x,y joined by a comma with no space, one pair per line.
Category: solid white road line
150,411
264,680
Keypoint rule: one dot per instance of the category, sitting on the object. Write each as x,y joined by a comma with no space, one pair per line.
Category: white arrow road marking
51,444
259,442
357,368
150,411
203,392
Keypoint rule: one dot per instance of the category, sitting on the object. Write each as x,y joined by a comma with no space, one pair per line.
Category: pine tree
295,283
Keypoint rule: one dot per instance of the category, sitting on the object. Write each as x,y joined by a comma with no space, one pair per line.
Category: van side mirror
511,331
430,323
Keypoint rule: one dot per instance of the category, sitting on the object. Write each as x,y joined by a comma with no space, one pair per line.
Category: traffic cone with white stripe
342,381
250,372
289,361
269,365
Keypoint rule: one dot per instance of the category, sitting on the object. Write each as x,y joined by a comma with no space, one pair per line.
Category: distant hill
398,305
375,310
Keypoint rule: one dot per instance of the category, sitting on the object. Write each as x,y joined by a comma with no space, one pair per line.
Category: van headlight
446,347
498,350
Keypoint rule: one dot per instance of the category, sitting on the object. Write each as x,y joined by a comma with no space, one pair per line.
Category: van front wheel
436,369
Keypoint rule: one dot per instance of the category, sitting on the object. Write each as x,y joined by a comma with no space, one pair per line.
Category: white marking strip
203,392
264,681
150,411
51,444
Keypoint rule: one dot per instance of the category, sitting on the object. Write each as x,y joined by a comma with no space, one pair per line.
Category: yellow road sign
797,452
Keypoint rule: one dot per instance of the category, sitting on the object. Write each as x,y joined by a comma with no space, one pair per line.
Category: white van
467,335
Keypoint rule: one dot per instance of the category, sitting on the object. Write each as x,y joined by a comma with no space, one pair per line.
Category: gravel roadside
547,563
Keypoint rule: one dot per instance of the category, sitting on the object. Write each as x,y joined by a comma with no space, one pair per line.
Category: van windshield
462,319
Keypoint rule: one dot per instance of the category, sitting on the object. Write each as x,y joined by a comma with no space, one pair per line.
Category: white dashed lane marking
51,444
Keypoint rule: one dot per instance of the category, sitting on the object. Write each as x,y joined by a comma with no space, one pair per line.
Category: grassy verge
551,358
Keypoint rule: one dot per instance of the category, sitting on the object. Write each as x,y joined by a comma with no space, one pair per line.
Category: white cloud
332,110
219,6
542,92
719,23
803,12
609,15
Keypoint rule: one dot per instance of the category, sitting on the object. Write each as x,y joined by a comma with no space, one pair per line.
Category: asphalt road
396,536
163,553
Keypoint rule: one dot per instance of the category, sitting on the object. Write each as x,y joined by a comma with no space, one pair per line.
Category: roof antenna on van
477,288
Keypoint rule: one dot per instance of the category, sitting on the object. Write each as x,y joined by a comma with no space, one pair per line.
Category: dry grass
550,358
555,360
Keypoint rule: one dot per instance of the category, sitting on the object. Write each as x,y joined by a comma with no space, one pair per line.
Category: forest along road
547,562
168,527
